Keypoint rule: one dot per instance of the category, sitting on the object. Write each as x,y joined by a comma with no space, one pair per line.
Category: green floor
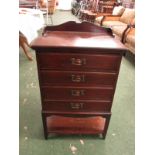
120,135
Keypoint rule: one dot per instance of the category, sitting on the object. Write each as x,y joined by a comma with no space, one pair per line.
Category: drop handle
78,61
77,92
76,105
77,78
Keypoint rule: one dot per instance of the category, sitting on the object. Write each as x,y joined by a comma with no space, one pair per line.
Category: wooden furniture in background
91,9
48,7
128,38
30,21
106,6
23,43
78,67
128,3
27,3
51,5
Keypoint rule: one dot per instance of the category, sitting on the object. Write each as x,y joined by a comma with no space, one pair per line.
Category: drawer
76,125
77,78
78,93
64,61
82,106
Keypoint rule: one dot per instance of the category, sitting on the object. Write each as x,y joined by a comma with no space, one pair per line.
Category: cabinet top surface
76,39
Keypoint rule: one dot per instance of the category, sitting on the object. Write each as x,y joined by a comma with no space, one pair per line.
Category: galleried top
77,35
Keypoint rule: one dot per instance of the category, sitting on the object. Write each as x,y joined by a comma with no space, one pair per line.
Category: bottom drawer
69,125
89,106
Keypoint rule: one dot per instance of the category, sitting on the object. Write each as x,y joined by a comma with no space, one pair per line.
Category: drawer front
68,61
80,93
77,78
86,106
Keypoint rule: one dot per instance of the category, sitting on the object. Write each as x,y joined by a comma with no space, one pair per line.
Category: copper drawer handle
77,78
77,92
76,105
78,61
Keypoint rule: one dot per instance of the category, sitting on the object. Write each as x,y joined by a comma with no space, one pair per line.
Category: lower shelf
69,125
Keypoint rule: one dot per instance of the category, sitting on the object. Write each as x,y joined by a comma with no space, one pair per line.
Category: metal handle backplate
76,105
78,78
78,61
77,92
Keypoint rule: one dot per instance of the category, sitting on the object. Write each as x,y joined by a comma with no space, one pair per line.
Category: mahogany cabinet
78,66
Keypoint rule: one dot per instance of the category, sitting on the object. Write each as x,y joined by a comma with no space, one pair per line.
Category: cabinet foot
103,136
46,137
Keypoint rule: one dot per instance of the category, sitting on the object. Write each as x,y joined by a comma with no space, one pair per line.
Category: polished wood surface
78,67
85,93
78,60
77,106
65,125
78,27
86,38
77,78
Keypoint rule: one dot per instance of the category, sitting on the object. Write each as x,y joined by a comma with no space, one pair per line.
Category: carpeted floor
121,133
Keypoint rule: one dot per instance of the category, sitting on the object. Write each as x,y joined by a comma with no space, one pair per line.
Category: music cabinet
78,66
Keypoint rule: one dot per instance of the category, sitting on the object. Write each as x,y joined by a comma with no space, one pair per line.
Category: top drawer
68,61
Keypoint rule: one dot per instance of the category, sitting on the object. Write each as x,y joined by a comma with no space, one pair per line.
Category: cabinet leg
45,126
106,126
45,135
103,136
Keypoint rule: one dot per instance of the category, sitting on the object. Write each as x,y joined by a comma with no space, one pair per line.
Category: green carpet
121,132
